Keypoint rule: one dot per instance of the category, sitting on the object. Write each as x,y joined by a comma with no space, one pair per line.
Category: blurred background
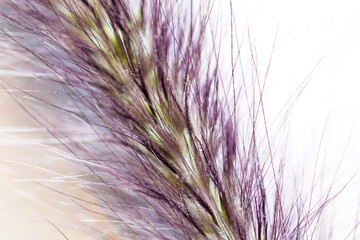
312,87
27,209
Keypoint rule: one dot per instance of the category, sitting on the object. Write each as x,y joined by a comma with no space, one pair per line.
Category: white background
321,39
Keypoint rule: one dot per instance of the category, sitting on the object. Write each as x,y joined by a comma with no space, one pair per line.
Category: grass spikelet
166,159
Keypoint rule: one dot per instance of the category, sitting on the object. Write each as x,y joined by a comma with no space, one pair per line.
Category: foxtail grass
168,157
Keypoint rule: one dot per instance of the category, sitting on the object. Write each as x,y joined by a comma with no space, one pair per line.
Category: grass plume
169,160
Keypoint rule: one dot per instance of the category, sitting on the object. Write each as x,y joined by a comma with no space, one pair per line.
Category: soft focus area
28,210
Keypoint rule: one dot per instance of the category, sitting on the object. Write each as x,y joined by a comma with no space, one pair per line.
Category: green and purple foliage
170,160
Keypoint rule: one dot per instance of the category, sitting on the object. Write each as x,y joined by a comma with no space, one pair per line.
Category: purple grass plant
169,160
